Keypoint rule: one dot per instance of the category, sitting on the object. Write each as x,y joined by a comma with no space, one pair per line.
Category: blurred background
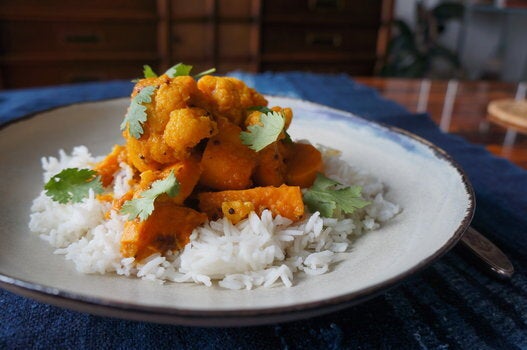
426,55
63,41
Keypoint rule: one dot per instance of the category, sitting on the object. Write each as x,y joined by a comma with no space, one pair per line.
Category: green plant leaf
136,115
73,185
148,72
143,206
260,136
179,70
330,199
261,109
206,72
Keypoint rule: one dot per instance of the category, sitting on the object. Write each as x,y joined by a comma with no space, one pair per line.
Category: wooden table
460,107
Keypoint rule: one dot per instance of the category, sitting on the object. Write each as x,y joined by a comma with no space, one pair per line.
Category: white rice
258,251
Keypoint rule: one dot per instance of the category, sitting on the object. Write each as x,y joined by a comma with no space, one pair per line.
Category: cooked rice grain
259,251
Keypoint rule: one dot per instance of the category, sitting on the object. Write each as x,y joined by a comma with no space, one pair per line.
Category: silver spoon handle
485,250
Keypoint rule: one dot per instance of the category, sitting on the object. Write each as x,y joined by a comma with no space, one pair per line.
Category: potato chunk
304,161
271,168
227,163
167,228
236,211
284,200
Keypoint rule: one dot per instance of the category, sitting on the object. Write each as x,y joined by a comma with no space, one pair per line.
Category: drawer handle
325,5
324,40
83,38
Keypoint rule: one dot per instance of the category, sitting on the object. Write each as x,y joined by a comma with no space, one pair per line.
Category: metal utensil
488,253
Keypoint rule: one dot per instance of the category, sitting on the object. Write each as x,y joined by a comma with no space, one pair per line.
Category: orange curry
193,130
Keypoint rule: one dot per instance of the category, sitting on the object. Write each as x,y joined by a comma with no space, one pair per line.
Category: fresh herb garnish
265,110
148,72
73,185
261,109
260,136
143,206
326,197
177,70
136,114
206,72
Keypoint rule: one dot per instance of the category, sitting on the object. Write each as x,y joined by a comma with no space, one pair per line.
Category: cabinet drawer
17,75
42,36
302,38
52,8
192,41
236,40
183,9
359,13
191,9
237,8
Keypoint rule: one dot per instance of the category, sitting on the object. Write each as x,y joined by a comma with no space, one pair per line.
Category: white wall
496,40
478,38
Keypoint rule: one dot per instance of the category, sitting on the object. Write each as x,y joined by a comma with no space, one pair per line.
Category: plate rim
241,317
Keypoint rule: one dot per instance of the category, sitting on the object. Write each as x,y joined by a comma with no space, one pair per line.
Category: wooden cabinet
64,41
60,41
320,35
220,34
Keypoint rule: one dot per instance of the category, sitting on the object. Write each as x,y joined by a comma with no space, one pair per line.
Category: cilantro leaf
143,206
178,70
206,72
325,196
148,72
261,109
136,114
260,136
73,185
181,69
265,110
287,138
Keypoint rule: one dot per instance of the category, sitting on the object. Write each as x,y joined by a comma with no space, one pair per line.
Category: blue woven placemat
451,304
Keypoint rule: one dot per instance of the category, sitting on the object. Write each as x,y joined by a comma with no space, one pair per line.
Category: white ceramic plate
436,198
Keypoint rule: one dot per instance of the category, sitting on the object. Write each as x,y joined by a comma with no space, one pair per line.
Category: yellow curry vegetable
192,129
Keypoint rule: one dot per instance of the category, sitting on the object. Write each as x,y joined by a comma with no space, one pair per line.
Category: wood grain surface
459,107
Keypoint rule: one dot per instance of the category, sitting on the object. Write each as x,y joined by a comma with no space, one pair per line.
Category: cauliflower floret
229,97
186,128
150,151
